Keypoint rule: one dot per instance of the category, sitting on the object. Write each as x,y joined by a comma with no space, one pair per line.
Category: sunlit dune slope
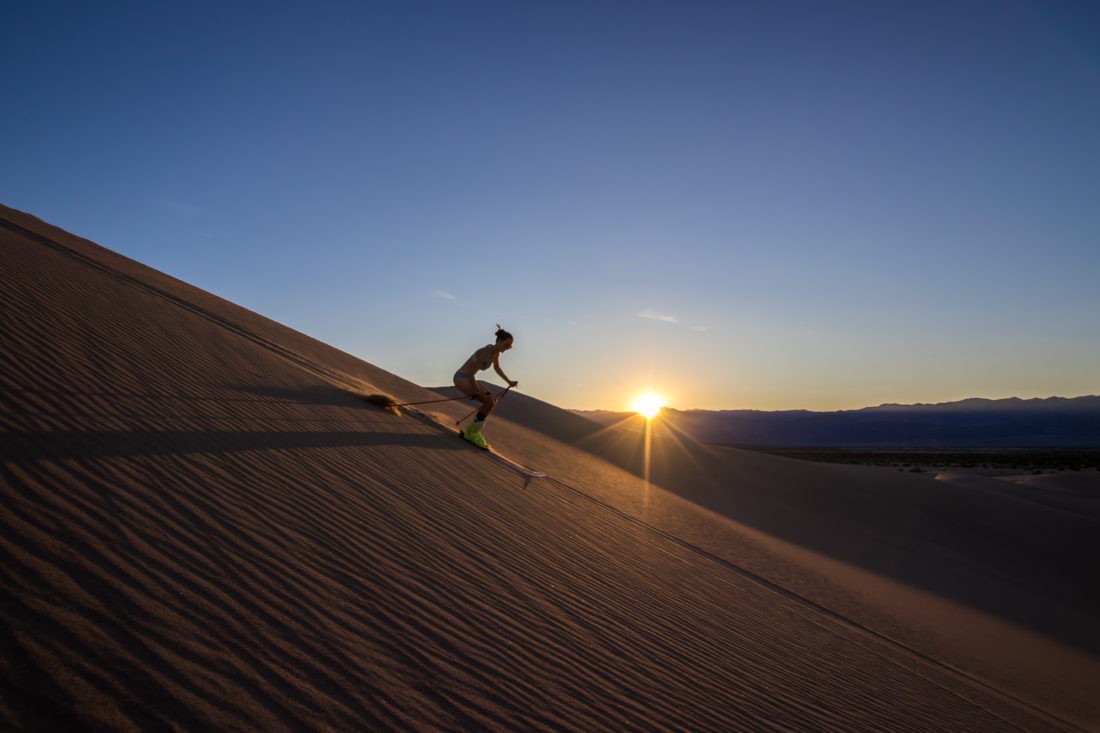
201,527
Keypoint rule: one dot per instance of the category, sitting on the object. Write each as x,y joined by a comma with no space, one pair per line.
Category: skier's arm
496,366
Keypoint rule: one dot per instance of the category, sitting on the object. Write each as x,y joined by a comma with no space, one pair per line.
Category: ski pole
471,412
388,404
429,402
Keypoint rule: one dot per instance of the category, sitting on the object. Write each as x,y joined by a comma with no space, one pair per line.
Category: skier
485,357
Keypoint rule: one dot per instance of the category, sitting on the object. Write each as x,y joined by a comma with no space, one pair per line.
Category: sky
740,205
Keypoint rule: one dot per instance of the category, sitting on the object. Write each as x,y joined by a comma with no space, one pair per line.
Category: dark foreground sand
201,528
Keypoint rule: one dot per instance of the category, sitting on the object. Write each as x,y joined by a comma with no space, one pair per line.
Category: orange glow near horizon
648,405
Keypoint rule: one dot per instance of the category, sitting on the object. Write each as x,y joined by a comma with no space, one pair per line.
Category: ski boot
473,434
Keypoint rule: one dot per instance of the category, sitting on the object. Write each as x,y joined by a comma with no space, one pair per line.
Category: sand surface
202,528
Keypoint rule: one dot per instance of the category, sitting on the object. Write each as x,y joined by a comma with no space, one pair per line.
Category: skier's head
503,338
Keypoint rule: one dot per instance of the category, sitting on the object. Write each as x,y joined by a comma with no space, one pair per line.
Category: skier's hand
513,384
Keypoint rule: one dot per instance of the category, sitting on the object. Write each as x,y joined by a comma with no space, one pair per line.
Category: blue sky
766,205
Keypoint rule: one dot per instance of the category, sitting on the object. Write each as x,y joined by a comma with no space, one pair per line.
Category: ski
518,467
515,466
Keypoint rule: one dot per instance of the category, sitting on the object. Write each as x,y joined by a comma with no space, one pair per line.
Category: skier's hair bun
503,335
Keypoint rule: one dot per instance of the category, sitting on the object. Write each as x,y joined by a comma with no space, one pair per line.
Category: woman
483,358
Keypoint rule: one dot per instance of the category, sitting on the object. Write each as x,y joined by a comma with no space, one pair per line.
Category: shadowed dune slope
201,528
1044,552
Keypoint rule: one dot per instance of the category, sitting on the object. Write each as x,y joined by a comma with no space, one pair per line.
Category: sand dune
204,529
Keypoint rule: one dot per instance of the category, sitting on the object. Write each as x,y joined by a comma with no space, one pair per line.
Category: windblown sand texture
204,529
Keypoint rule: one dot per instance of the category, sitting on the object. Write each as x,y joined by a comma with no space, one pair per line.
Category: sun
648,405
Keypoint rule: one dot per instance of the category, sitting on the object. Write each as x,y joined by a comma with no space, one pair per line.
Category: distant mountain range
972,423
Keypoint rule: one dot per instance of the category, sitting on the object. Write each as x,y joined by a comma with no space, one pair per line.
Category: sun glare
648,405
